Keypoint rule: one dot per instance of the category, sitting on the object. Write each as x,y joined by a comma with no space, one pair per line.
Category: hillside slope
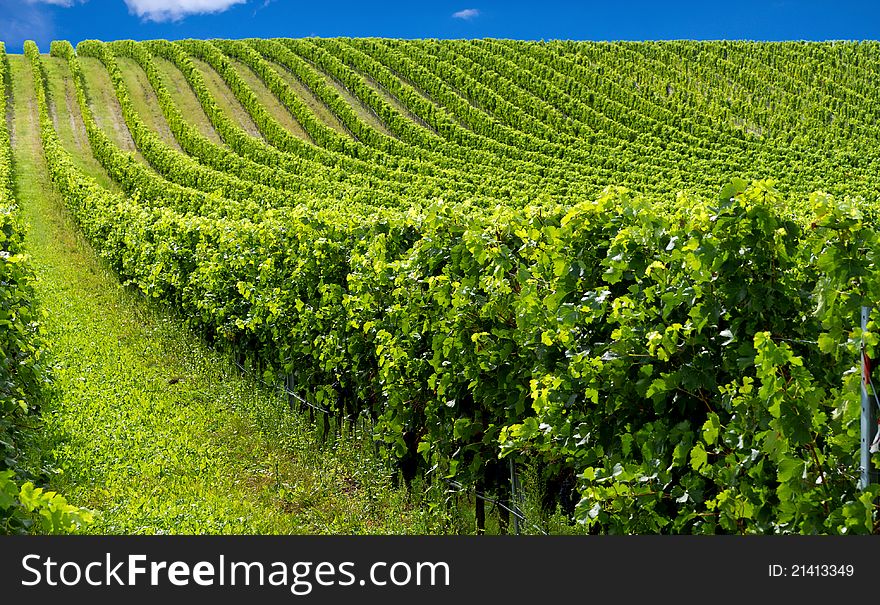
505,254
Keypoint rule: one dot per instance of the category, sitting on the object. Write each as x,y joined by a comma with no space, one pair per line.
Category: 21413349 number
816,570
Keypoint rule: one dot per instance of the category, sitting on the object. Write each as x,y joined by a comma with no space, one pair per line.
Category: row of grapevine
21,371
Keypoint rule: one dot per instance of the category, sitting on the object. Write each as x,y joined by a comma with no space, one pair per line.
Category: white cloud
466,14
175,10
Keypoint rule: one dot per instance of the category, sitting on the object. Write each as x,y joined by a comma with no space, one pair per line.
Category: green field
388,286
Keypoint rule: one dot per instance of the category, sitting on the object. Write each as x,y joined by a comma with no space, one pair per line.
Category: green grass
105,106
321,111
363,112
395,102
269,101
160,434
68,121
185,98
144,99
225,98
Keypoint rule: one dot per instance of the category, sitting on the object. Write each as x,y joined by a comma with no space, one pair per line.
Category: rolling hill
634,270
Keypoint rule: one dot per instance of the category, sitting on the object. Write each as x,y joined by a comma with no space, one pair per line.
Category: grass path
185,98
144,99
323,113
155,431
363,111
225,98
69,123
105,105
269,101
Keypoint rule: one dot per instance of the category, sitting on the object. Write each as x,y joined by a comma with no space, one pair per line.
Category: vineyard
635,269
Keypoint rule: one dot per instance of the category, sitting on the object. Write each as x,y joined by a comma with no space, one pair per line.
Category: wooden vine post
869,426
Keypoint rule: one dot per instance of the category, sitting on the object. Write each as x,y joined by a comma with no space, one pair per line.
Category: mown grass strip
144,99
321,111
104,105
226,99
269,101
185,98
69,123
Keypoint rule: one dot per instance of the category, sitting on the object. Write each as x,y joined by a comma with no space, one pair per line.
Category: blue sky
75,20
